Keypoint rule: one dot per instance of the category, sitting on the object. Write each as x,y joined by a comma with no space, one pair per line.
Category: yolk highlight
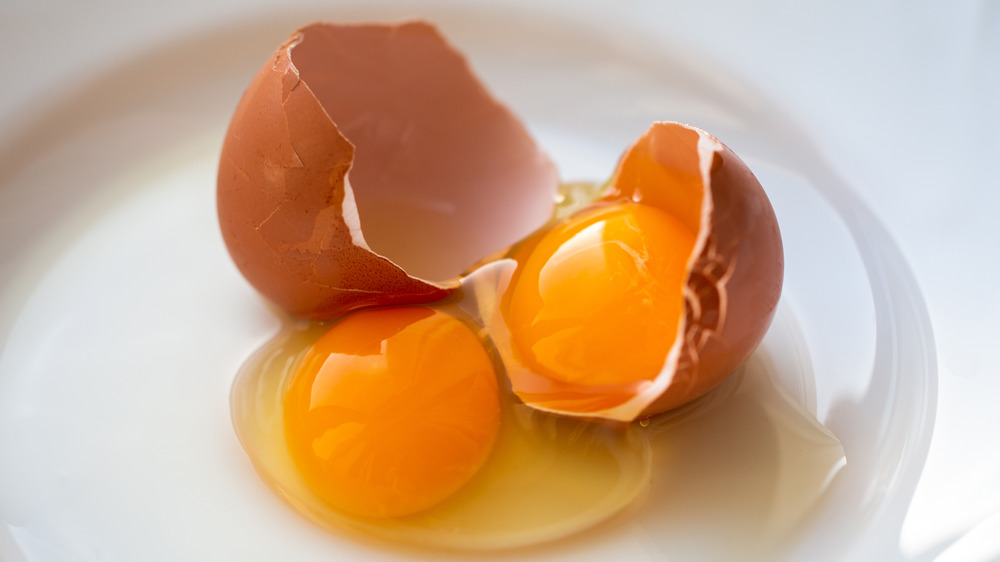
392,411
598,300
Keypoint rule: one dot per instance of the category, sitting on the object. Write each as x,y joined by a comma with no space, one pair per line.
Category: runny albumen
546,476
729,476
391,411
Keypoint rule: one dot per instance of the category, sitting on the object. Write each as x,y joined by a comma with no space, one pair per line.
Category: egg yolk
597,301
392,411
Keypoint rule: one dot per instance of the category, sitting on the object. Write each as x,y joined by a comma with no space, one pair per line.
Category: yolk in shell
597,300
392,411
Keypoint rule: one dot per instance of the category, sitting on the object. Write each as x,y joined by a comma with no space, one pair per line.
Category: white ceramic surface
123,321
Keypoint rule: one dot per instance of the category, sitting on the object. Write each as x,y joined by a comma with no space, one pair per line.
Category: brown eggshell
736,271
734,276
366,165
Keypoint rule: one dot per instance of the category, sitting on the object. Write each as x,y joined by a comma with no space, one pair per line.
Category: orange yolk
598,300
392,411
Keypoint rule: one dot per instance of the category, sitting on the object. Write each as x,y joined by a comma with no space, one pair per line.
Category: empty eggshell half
366,165
725,298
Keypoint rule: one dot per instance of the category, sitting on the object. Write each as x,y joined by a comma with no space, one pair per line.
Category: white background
903,95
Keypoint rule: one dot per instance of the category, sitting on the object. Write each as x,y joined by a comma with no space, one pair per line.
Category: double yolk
393,410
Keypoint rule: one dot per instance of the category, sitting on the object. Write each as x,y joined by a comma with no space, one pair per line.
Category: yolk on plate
392,411
597,300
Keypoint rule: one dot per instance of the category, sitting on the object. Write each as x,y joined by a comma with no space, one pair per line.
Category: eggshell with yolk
737,267
727,294
366,165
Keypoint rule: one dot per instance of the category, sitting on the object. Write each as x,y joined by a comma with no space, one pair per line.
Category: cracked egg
364,172
651,296
366,165
363,162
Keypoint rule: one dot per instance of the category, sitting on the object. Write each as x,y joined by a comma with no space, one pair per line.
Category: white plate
124,321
